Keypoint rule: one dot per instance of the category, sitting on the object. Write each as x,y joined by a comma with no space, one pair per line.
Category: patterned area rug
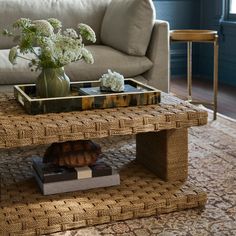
213,168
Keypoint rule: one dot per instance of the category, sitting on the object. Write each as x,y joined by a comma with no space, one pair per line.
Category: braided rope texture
25,211
20,129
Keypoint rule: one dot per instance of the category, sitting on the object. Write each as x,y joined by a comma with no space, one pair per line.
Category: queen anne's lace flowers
56,24
12,55
22,23
87,32
43,27
87,56
71,33
51,47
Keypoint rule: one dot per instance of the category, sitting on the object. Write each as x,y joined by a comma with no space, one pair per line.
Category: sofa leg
165,153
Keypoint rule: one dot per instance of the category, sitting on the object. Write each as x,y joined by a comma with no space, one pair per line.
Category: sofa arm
159,53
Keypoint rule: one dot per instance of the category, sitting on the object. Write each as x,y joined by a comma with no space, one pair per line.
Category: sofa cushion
15,74
108,58
105,58
127,25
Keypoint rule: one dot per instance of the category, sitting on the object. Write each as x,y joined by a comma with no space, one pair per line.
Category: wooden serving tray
86,95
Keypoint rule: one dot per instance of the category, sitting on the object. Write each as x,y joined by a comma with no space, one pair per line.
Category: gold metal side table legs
199,36
216,56
215,75
189,73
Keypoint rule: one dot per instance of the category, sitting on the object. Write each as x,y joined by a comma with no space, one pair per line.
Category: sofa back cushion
127,25
70,12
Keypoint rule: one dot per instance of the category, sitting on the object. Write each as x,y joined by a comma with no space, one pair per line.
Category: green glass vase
52,82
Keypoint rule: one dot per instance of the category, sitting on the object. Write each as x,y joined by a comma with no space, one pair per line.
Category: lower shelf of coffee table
140,194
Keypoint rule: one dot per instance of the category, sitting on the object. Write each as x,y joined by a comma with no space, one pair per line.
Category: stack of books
54,179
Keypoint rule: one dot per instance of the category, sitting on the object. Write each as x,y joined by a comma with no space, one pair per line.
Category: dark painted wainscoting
212,17
181,14
201,14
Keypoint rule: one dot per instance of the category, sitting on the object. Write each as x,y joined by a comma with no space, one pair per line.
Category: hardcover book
48,172
98,90
100,168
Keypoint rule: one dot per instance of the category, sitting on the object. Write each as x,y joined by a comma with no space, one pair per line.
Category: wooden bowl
193,35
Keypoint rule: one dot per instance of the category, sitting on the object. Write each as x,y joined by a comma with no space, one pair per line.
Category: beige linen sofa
129,39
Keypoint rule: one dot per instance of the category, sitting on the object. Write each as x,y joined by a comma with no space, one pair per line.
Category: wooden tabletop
193,35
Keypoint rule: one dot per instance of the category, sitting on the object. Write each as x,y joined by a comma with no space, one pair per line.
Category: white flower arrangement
112,81
51,47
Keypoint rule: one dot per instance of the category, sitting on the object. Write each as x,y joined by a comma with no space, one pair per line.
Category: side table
200,36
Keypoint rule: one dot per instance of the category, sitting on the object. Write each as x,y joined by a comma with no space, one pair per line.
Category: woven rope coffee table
161,146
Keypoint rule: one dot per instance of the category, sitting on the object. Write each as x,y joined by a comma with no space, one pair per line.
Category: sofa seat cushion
127,25
105,58
15,74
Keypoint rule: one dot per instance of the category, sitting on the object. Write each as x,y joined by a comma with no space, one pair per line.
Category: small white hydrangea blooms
113,81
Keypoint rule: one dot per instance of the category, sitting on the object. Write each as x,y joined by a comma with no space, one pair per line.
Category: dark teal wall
181,14
212,17
227,62
201,14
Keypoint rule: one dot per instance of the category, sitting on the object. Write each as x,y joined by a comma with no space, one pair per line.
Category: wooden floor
202,90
